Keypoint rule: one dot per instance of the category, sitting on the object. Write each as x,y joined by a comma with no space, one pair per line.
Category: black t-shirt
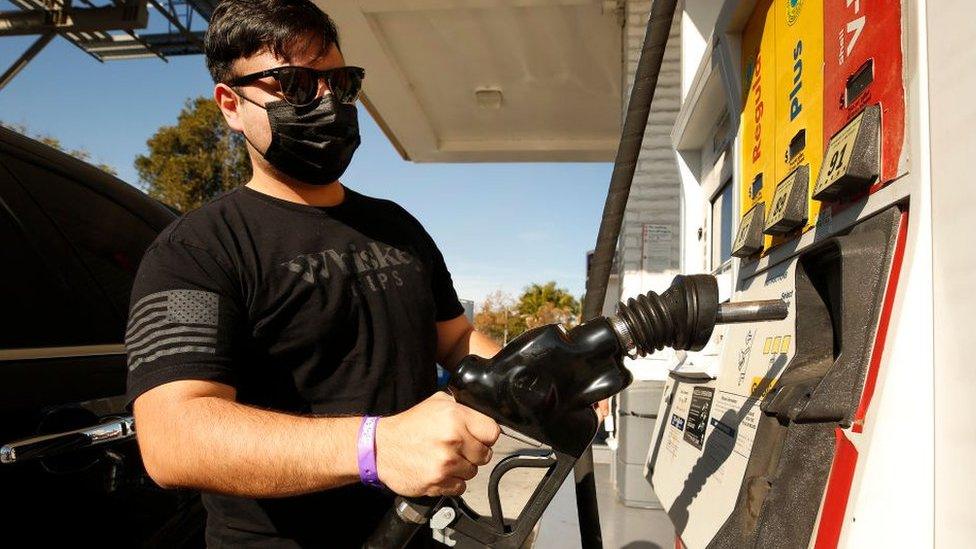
304,309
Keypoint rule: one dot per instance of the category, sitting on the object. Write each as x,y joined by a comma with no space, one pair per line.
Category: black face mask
315,143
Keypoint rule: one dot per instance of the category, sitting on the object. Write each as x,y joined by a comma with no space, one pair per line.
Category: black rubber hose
631,139
649,321
681,318
395,532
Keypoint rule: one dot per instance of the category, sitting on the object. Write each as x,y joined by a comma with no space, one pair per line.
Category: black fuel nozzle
544,383
684,316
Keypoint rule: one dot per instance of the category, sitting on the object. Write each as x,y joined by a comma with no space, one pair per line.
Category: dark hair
241,28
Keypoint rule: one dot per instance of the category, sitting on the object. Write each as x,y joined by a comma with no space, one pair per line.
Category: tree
503,318
542,304
80,154
498,318
195,160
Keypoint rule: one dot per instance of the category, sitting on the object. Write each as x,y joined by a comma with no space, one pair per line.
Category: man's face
244,116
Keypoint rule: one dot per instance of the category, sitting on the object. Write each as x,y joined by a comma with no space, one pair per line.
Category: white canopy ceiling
488,80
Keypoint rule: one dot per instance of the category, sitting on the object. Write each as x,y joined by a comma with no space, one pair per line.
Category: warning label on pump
701,405
737,417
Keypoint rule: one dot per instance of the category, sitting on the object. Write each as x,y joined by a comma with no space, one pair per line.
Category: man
268,328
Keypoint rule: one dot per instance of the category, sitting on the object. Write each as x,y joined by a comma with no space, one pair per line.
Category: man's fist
602,409
434,447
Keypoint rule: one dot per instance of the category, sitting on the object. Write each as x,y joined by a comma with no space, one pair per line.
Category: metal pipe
176,23
628,151
752,311
25,58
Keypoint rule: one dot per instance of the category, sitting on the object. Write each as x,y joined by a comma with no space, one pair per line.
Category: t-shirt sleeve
184,319
445,296
442,286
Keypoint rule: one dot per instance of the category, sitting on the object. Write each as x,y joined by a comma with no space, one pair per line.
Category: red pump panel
863,66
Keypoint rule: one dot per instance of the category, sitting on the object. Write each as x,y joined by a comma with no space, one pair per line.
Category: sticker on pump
701,406
851,163
749,239
789,210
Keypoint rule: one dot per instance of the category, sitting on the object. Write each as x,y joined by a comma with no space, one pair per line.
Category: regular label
701,405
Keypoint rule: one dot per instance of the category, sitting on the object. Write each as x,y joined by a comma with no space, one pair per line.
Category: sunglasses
300,85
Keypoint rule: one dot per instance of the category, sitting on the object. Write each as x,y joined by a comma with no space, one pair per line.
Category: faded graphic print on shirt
378,264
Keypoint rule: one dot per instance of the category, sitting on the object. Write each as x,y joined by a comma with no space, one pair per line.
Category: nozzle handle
751,311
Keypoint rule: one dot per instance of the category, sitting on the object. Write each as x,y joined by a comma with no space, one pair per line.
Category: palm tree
546,303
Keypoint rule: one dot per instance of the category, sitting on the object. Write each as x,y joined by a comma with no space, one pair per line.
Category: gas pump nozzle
544,383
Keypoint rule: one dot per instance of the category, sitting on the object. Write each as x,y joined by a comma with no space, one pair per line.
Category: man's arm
192,434
457,338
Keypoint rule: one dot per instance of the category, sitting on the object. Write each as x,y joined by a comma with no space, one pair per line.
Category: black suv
71,238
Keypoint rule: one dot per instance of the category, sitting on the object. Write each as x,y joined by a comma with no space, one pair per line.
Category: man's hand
434,447
602,409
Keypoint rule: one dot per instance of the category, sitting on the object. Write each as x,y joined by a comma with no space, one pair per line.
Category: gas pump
766,447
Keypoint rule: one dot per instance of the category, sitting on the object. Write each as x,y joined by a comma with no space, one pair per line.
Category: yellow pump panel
758,109
798,111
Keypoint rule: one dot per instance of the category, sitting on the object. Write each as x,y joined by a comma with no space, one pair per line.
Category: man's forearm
472,342
482,345
215,444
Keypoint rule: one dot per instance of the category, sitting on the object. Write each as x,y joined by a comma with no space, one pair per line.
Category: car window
48,298
107,237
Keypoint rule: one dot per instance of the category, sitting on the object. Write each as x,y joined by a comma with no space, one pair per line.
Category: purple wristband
366,450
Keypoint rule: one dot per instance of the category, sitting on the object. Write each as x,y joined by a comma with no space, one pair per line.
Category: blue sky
499,226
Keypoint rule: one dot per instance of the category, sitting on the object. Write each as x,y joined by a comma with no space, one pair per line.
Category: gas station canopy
488,81
447,80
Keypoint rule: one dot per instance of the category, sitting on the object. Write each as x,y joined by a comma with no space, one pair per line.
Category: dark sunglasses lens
345,83
298,84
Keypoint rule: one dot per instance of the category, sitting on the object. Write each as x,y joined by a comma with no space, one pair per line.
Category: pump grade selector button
749,239
789,207
852,162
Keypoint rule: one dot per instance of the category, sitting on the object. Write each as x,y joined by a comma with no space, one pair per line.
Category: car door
72,238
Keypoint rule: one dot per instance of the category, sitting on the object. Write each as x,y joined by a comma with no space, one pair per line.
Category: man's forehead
305,54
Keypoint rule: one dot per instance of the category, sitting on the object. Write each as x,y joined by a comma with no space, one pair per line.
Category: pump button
852,161
789,209
749,239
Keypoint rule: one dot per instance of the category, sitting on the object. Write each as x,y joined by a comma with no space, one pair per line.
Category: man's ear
229,105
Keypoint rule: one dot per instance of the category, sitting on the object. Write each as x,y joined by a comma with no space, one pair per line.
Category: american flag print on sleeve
172,322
